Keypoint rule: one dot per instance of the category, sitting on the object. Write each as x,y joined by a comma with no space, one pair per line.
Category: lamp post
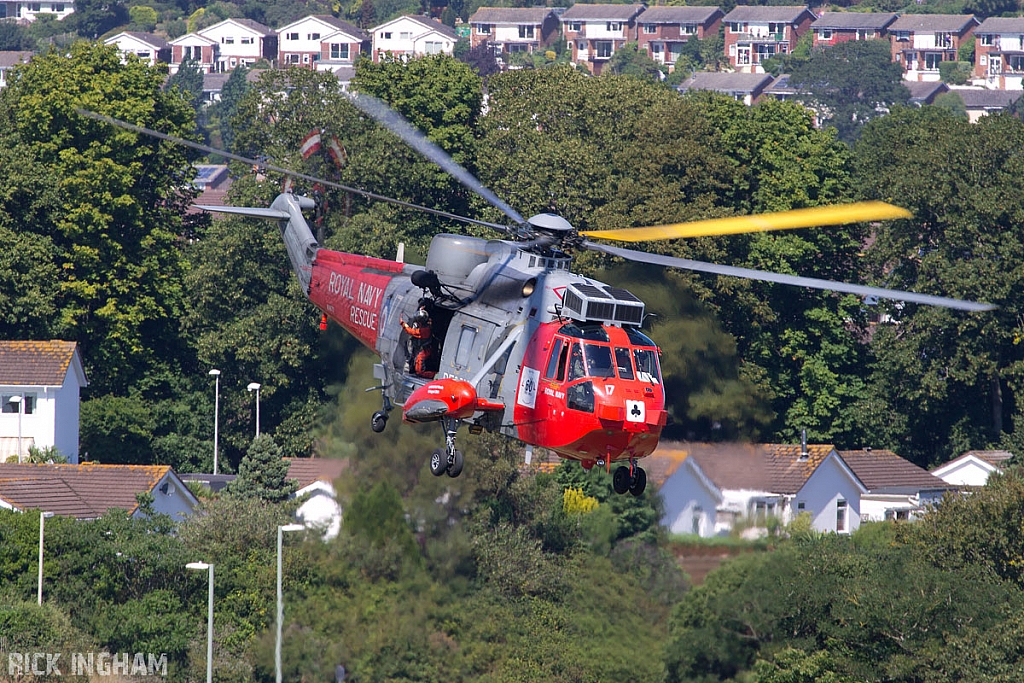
209,619
17,400
255,386
42,526
216,414
280,600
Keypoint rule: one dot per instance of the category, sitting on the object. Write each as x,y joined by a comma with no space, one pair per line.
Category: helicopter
519,344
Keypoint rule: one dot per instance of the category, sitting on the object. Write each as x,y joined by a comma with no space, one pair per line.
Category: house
897,488
204,52
315,476
39,390
999,52
754,33
920,42
513,29
408,37
973,468
148,47
925,92
832,28
664,30
10,59
746,87
241,41
719,486
88,490
320,37
983,101
27,12
594,32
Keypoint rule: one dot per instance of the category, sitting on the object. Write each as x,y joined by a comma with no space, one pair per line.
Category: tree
92,18
628,60
109,201
952,102
263,473
14,36
224,111
850,83
188,81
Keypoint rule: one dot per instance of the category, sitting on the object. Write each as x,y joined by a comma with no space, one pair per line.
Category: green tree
628,60
188,81
114,209
143,17
850,83
223,111
955,73
117,429
92,18
953,103
263,473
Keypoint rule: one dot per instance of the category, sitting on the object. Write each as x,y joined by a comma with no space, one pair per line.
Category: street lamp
209,619
16,400
42,525
280,600
216,414
255,386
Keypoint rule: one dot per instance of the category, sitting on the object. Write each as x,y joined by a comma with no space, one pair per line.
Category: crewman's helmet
421,317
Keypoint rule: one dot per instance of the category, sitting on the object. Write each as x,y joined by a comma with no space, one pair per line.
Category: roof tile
35,363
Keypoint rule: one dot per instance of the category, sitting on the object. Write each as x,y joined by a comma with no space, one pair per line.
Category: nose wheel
631,478
450,460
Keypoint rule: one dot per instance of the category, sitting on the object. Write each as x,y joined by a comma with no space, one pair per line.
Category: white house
319,509
241,41
10,59
409,36
39,391
973,468
27,12
720,485
203,51
897,488
88,490
513,29
148,47
320,37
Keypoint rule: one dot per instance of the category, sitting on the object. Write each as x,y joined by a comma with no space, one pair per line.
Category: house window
526,31
581,45
386,35
604,48
482,29
312,36
292,36
613,26
840,515
650,28
737,26
825,34
774,27
58,7
864,34
513,48
433,47
988,39
932,61
34,7
305,59
339,50
28,404
695,523
143,54
943,40
688,29
1015,63
800,506
902,36
656,48
246,40
293,59
233,62
576,26
227,40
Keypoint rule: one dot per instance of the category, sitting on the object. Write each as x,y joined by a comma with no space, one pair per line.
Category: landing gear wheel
639,482
621,479
438,463
379,421
455,463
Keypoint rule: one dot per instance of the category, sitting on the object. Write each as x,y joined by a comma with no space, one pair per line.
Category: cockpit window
599,361
623,363
557,362
576,367
586,332
647,365
638,338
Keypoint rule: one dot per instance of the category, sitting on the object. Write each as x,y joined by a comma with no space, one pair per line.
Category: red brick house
663,31
920,42
205,52
754,33
832,28
594,32
999,52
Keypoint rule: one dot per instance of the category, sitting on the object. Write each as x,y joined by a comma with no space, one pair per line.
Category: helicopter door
466,346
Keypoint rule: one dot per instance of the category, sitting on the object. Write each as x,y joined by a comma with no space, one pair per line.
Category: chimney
803,444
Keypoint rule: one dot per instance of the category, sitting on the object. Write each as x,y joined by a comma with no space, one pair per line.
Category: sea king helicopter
518,344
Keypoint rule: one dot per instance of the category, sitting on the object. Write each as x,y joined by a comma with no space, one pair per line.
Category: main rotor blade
795,280
282,170
412,136
838,214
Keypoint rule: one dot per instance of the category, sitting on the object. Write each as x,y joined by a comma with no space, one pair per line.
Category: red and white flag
336,151
311,144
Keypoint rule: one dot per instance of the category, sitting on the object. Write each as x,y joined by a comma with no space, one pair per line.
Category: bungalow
39,390
832,28
319,509
999,52
148,47
897,488
88,490
983,101
665,30
973,468
595,32
920,42
746,87
513,29
754,34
